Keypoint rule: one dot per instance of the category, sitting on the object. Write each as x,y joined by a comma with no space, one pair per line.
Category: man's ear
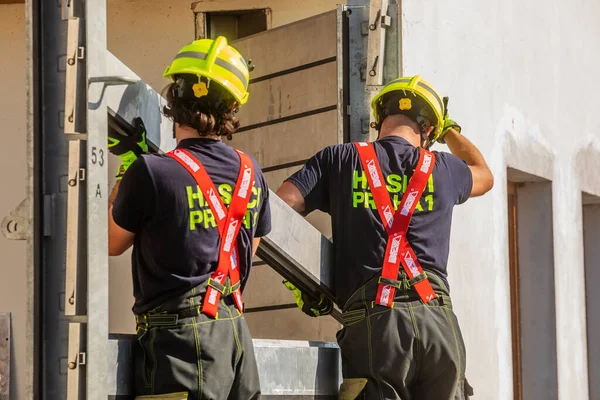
425,134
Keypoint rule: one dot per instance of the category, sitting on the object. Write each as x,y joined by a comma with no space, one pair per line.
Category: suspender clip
419,278
390,282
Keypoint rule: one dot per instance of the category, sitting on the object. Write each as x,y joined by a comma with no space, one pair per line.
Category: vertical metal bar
400,38
513,253
32,339
5,346
97,204
200,25
376,54
73,176
71,75
376,45
357,49
52,193
67,8
73,374
268,17
342,73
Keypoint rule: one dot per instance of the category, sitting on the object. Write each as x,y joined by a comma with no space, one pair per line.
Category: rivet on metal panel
373,26
373,71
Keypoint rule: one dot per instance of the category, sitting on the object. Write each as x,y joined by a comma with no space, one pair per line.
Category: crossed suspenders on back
229,223
398,250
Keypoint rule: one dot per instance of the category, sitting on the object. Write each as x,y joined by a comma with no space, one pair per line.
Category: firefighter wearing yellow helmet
391,205
194,217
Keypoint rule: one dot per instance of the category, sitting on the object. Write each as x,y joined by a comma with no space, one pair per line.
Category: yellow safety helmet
413,96
214,60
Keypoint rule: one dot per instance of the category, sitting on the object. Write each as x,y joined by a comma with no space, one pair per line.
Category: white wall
12,178
522,80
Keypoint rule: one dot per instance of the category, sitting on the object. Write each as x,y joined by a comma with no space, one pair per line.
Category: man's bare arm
461,147
289,193
255,243
119,239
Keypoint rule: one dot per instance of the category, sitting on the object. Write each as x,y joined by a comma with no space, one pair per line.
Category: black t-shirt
177,242
333,181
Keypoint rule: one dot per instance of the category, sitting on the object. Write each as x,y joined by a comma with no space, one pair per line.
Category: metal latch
113,80
386,21
80,360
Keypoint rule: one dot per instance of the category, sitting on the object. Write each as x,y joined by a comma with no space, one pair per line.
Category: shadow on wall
138,100
327,379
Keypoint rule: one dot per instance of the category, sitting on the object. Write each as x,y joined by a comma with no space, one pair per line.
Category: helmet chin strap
422,121
423,140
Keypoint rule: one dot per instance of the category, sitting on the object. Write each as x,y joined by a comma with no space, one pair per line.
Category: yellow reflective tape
191,54
233,69
351,388
434,93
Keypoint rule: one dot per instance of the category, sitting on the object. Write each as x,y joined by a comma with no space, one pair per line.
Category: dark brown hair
212,114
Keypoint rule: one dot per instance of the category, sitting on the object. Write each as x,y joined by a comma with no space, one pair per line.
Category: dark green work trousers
413,351
202,357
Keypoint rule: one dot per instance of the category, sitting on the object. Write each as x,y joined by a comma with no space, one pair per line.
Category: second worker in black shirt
401,339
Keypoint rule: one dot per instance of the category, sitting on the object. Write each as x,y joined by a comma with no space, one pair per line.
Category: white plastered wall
521,77
13,173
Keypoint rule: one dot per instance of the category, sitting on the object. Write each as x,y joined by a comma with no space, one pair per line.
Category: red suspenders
228,223
398,249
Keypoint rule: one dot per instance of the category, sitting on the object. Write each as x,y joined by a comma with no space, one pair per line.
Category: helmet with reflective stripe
215,60
414,97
